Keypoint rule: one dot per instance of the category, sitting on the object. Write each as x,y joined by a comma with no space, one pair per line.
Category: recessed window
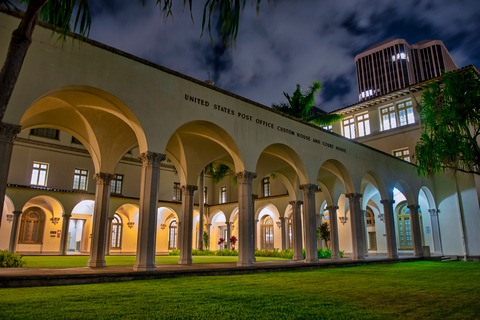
32,226
369,218
403,154
80,179
266,187
363,124
223,195
328,128
267,233
349,128
398,115
46,133
116,185
117,228
172,235
389,118
177,192
39,174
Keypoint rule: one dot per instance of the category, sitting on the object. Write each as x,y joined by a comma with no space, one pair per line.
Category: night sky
290,42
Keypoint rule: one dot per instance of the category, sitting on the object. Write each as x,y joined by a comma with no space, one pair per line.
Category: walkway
54,276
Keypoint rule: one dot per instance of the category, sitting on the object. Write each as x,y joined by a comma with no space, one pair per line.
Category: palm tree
300,105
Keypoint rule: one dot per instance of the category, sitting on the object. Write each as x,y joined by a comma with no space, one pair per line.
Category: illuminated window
116,184
372,240
177,192
403,154
46,133
396,116
389,118
405,113
223,195
290,233
328,128
267,233
349,128
80,179
404,226
116,236
266,187
363,124
32,225
369,218
172,235
39,174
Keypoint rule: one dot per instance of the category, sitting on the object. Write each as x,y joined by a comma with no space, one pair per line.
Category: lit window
266,187
117,226
403,154
32,225
39,174
405,113
389,118
80,179
116,184
223,195
172,235
369,218
363,124
177,192
399,56
267,233
46,133
328,128
349,128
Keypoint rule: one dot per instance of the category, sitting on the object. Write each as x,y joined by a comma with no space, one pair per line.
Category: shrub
226,252
286,254
10,259
174,253
203,253
324,254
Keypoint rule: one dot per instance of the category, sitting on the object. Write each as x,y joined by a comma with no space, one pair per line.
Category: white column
283,233
8,133
14,233
64,236
148,203
109,236
416,232
311,252
255,227
187,224
334,246
356,224
365,233
100,215
390,228
201,207
245,218
437,243
297,230
229,235
207,226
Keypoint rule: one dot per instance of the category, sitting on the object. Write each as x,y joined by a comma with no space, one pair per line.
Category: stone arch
335,178
49,205
271,207
105,125
129,211
205,142
403,187
428,196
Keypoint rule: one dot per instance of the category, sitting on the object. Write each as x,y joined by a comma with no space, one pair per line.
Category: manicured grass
413,290
81,261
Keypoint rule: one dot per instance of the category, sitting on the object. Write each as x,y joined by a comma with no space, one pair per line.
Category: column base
96,263
393,257
245,263
335,256
185,261
298,258
312,261
144,268
358,259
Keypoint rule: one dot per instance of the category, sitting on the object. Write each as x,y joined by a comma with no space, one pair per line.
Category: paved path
32,277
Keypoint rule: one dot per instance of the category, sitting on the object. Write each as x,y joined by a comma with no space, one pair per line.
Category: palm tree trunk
17,50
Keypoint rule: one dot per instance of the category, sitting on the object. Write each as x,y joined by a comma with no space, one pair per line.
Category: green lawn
79,261
411,290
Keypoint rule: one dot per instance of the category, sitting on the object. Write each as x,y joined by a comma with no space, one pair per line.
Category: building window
76,141
372,240
403,154
46,133
363,124
177,192
267,233
80,179
328,128
39,174
404,229
172,235
405,113
116,184
266,187
349,128
369,218
402,111
290,233
389,118
223,195
116,236
32,225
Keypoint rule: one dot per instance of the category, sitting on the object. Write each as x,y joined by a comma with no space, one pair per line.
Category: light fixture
343,220
130,224
163,226
279,224
55,220
9,217
380,216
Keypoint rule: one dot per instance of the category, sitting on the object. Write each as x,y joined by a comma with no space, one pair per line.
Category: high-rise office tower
394,64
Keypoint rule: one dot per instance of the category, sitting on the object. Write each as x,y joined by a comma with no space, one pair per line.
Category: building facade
394,64
100,164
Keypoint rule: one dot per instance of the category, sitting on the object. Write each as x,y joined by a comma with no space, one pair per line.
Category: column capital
17,212
245,176
433,212
254,197
66,216
151,159
309,187
281,218
256,220
387,202
332,208
8,132
353,196
413,207
294,203
103,178
208,225
188,189
231,223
